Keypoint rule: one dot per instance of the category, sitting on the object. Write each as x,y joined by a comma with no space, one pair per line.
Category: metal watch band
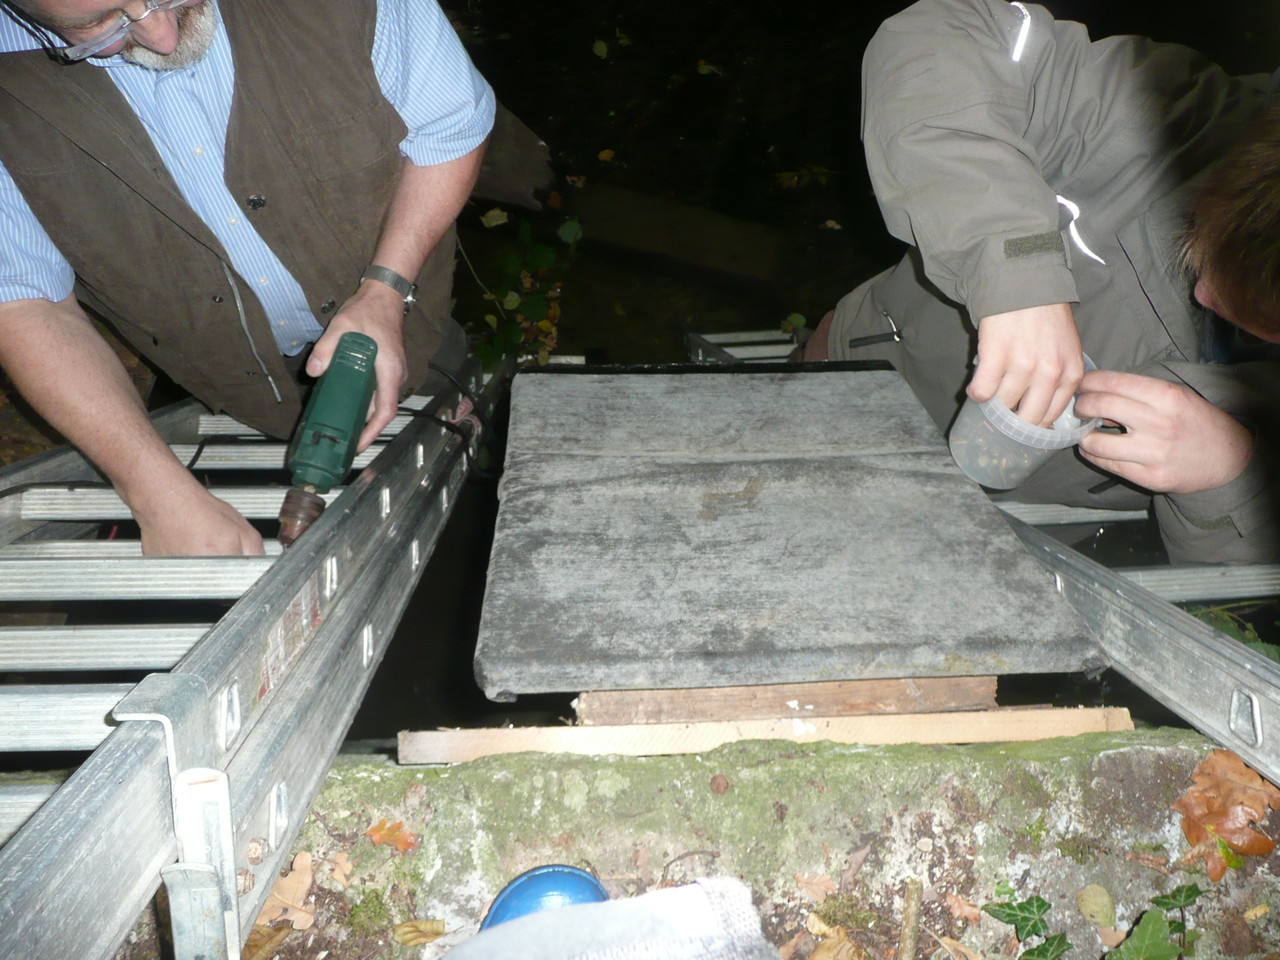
393,280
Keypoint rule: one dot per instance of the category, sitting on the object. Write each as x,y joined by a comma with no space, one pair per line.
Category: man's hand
377,311
1031,359
1175,441
188,521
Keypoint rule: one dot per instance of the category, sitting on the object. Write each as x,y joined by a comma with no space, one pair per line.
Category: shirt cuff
1015,285
1245,504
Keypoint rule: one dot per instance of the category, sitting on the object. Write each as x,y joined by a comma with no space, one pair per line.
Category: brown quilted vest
310,134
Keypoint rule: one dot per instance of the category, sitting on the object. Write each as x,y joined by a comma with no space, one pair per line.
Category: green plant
1153,937
1027,919
525,297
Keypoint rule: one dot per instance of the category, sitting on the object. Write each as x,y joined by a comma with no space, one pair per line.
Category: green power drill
324,443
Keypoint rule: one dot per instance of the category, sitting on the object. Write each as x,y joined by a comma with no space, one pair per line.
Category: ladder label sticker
290,634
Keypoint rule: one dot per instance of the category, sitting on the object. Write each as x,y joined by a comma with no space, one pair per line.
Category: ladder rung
146,578
253,455
18,802
765,351
1217,582
747,336
57,716
129,647
51,503
59,549
220,425
1039,514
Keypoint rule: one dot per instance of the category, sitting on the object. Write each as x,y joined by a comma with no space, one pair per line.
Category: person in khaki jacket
1045,184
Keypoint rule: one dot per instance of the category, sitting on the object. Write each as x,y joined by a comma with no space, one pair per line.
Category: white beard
196,27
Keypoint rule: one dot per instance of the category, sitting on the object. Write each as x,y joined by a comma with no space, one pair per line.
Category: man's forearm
73,379
426,202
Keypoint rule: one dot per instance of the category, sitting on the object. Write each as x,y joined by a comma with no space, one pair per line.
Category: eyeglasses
119,30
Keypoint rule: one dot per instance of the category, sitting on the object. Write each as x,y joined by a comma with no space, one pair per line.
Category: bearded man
1060,193
230,185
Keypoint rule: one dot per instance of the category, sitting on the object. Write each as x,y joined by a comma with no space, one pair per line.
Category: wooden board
653,739
836,698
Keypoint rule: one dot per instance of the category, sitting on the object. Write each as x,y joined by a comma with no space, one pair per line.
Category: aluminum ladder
201,774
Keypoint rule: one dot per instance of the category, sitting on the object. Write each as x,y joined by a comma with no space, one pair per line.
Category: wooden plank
833,698
653,739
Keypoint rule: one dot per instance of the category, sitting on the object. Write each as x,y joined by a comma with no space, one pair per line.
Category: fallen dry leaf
1152,861
606,155
1111,937
788,950
394,835
719,784
1225,801
815,888
495,217
850,872
835,945
1256,913
340,869
962,909
263,942
955,948
288,896
417,932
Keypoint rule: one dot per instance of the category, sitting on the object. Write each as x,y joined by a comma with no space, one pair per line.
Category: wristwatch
393,280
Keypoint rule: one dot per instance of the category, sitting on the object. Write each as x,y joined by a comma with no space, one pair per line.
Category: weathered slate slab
713,529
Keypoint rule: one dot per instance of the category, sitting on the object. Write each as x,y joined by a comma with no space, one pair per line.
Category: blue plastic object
543,888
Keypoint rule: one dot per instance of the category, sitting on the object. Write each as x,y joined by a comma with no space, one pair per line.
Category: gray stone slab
712,529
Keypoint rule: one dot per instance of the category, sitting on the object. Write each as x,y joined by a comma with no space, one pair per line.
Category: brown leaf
394,835
850,872
263,942
956,949
719,784
1111,937
962,909
815,888
288,896
1152,861
340,869
417,932
1225,800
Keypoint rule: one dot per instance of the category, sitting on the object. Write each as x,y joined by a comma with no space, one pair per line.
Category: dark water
713,104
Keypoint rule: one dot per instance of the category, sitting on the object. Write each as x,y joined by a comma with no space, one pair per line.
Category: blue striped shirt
422,70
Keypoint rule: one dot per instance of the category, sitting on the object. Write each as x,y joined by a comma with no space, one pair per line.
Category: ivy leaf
1026,916
1149,940
570,231
600,49
1051,949
1005,890
534,307
1189,943
541,256
1176,899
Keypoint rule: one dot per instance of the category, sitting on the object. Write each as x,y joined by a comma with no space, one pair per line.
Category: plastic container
543,888
997,448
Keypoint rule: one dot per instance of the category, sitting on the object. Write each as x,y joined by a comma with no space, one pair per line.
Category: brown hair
1234,239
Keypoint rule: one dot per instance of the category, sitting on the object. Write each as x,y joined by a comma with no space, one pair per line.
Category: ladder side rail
702,350
281,765
1220,686
246,656
75,877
